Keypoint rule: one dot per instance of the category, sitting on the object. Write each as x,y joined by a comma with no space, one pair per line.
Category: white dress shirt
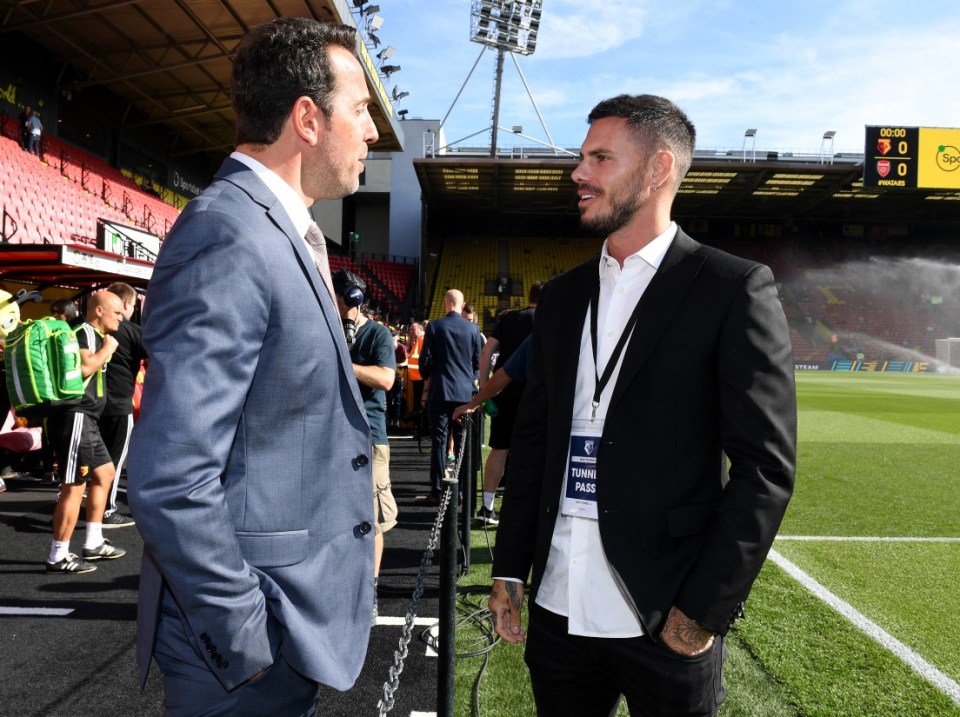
291,202
578,581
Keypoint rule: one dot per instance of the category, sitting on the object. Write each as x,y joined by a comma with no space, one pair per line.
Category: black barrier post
467,486
448,597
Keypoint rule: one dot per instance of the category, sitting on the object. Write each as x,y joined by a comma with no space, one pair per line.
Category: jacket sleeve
202,360
759,429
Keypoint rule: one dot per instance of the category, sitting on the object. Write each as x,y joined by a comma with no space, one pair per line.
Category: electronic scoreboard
912,157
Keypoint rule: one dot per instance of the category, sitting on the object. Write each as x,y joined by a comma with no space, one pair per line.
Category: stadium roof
171,58
717,187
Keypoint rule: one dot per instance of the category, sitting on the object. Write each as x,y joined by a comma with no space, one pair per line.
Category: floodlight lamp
403,114
389,69
517,128
376,22
830,134
386,53
359,4
372,9
750,133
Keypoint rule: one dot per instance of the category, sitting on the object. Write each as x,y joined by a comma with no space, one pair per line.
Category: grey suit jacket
249,474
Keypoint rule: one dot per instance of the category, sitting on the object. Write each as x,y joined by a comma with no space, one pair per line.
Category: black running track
67,641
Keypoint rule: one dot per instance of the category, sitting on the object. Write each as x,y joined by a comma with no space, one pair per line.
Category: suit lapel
246,179
576,300
659,303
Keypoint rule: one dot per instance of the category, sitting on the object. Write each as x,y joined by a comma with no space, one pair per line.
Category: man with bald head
83,458
450,362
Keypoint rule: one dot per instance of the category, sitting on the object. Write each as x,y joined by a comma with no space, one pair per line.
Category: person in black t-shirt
84,461
116,421
511,330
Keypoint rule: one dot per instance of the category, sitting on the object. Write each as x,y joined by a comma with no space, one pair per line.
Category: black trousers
575,676
439,413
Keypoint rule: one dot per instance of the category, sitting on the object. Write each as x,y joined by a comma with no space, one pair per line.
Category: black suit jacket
707,376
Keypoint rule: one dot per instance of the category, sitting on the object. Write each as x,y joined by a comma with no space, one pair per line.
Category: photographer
375,366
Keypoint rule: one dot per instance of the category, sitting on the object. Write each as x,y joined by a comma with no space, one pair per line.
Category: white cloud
584,28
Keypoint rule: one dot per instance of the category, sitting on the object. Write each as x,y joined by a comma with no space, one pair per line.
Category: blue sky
789,68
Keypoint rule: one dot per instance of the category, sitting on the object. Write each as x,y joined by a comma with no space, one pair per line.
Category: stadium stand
60,202
466,263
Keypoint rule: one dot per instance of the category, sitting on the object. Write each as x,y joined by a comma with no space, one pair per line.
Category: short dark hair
126,292
277,63
65,307
343,279
657,124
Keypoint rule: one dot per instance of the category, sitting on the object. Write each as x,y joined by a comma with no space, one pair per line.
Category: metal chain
386,702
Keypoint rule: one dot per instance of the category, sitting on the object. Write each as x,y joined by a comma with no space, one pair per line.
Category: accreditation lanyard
602,381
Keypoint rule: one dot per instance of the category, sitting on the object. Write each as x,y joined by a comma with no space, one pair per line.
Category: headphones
349,287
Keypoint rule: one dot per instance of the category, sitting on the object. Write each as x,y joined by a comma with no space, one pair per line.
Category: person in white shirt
640,544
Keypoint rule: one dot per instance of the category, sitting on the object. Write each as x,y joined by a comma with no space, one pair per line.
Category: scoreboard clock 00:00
912,157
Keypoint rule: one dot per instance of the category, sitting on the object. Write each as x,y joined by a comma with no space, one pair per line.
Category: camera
351,289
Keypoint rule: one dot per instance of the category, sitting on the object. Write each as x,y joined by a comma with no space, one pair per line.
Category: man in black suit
450,363
643,545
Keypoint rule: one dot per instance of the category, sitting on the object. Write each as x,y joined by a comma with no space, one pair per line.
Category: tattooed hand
506,599
685,636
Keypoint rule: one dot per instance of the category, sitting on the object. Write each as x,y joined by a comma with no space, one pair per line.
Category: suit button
361,460
364,528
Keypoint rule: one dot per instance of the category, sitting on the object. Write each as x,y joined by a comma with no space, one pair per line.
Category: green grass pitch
878,460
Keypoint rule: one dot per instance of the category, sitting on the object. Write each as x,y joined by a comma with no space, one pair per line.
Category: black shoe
488,516
116,520
70,564
104,552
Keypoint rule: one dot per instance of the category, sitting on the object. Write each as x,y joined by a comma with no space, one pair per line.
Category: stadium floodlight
824,150
375,23
403,114
388,70
751,135
386,53
371,9
509,25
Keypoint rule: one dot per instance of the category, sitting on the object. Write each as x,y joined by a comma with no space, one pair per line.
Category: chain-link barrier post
448,592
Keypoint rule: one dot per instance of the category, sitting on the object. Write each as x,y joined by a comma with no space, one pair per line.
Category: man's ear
307,120
661,168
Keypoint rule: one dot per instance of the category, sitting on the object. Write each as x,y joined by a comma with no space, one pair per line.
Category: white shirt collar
292,204
652,253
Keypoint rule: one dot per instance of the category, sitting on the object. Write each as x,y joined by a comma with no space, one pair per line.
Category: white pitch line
919,665
397,621
866,539
36,611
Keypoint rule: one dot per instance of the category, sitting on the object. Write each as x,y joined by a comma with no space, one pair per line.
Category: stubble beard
621,212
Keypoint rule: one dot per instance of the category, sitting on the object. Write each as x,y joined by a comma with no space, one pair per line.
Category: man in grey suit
250,471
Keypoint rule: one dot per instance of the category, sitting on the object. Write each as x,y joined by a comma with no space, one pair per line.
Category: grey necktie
318,244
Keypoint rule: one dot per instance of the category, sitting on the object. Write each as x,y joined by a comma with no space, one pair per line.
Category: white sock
488,499
94,537
59,549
